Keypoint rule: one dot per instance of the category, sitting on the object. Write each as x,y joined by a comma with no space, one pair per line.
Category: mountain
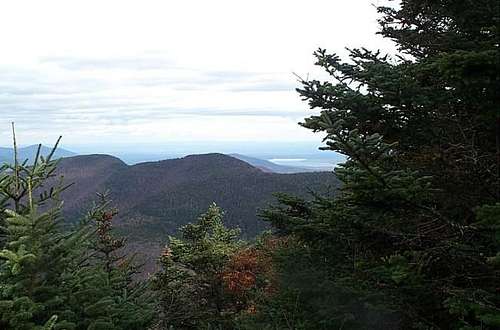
29,152
268,166
155,198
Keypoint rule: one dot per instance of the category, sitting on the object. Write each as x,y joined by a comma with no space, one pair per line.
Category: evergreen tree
103,291
412,237
55,277
191,281
35,252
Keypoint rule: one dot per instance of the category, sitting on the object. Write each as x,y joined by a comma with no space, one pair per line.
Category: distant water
314,163
287,160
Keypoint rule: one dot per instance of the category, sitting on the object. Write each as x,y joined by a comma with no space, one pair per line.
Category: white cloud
131,71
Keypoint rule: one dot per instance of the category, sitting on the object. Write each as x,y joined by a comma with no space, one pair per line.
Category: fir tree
191,281
103,291
36,251
412,237
56,277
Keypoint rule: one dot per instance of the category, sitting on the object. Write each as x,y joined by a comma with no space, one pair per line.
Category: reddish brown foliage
250,269
241,272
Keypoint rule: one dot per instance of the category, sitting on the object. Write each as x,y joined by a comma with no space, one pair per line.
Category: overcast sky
150,72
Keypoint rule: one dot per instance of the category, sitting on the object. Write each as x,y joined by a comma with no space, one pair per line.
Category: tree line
411,240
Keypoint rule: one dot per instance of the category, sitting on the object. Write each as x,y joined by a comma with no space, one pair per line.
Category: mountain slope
155,198
89,174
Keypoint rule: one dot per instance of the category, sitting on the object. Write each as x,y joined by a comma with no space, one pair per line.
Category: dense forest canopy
410,241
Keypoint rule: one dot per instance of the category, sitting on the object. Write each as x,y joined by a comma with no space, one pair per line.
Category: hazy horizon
303,154
168,72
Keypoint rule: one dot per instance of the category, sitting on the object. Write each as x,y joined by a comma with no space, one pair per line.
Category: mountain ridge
155,198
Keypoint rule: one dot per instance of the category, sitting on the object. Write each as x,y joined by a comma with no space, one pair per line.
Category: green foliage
411,240
35,252
190,283
413,232
308,297
52,277
103,292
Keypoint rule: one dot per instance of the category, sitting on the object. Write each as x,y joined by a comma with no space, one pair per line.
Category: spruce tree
412,237
54,276
36,251
191,287
105,291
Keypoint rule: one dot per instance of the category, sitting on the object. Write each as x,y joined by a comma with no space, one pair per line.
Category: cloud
266,86
169,71
143,62
126,84
134,98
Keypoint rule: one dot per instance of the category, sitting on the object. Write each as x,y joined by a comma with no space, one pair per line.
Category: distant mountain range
29,153
155,198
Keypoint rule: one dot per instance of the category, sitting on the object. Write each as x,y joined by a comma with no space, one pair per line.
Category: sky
115,74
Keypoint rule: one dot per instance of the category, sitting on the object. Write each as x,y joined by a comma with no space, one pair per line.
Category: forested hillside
410,239
156,198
